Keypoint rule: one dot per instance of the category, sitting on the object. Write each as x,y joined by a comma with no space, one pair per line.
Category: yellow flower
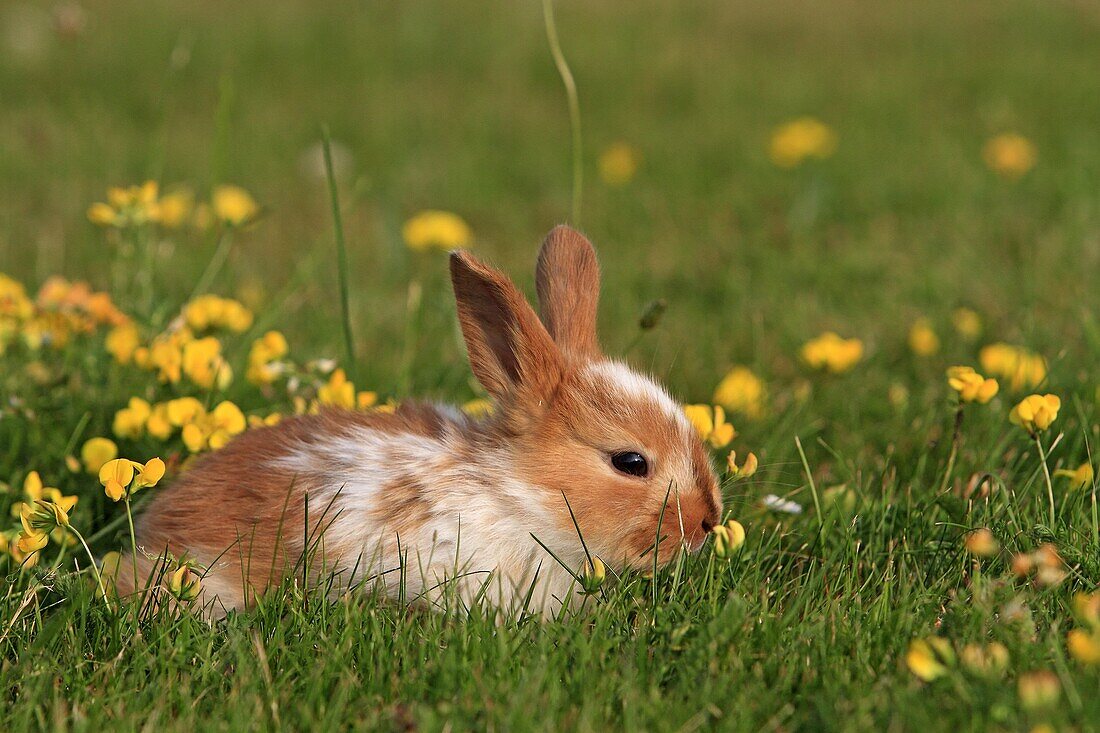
262,358
1038,690
989,660
1010,155
214,429
478,408
122,341
1084,646
982,543
971,386
34,490
832,353
184,583
184,410
338,392
1086,606
744,471
96,452
115,476
967,323
1018,366
923,341
204,365
1080,477
741,391
930,658
593,575
255,421
148,474
125,207
436,230
618,163
234,206
212,311
130,421
158,425
175,208
728,538
1035,412
898,395
796,141
710,423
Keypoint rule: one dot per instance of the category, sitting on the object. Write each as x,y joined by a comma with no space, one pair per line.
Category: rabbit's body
428,501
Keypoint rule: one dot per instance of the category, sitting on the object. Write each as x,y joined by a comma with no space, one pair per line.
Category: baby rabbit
429,498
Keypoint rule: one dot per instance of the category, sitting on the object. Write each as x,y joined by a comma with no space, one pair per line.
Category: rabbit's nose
707,526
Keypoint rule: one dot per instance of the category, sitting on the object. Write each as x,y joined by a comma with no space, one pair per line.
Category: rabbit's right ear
568,279
510,351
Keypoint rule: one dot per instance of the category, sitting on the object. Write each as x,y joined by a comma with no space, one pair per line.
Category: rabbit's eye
631,463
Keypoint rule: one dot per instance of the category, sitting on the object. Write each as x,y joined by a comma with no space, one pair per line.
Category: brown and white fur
450,499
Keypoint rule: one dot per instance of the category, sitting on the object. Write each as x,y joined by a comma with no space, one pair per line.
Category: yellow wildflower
130,421
96,452
971,386
338,392
989,660
796,141
478,408
982,543
184,583
618,163
262,358
1035,413
923,341
212,311
1080,477
728,538
930,658
364,400
744,471
175,208
234,206
204,365
593,574
967,323
710,423
741,391
131,206
1010,155
184,410
1039,690
148,474
832,353
1084,646
1018,366
158,425
116,476
122,341
436,230
255,421
898,395
214,429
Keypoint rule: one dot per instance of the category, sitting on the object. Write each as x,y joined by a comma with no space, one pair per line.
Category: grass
460,107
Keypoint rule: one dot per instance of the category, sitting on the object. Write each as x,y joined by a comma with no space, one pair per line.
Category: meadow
921,545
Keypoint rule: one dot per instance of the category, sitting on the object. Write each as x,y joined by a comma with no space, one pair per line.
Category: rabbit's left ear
567,277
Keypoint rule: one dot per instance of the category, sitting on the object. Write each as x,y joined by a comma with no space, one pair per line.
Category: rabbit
426,497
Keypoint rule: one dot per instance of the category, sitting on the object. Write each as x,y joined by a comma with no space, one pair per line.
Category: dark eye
630,463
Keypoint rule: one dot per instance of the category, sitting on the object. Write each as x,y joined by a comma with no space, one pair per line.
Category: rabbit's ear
568,280
511,353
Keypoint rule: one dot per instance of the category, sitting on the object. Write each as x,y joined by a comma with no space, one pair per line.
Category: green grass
458,106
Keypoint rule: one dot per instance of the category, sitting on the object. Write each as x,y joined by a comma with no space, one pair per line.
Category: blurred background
903,210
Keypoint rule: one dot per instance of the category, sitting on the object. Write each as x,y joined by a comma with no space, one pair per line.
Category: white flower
778,504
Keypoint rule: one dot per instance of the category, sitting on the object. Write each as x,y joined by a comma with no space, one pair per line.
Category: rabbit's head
588,433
